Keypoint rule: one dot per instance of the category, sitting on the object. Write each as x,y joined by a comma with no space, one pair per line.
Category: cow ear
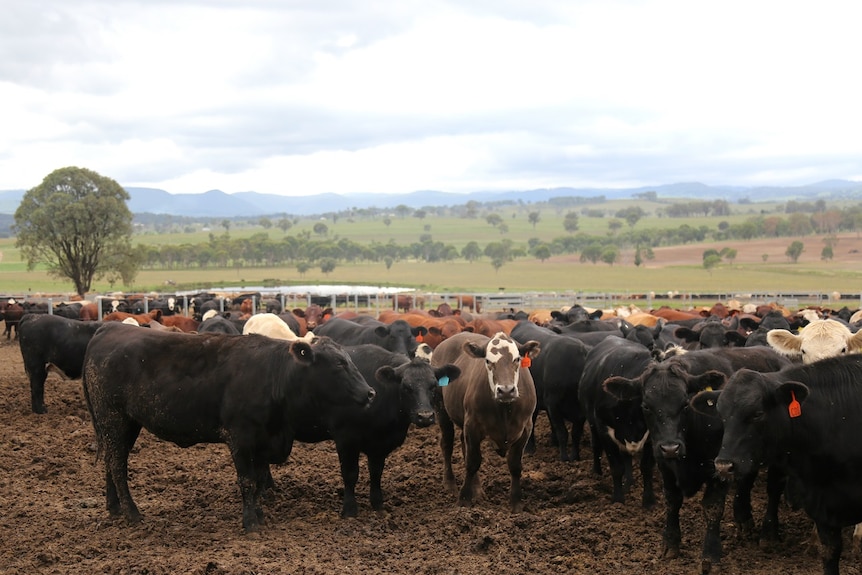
708,380
735,338
386,374
302,351
419,330
784,342
381,330
474,349
686,333
449,370
705,403
530,349
623,388
789,391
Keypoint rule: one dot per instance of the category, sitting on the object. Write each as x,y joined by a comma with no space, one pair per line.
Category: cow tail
100,447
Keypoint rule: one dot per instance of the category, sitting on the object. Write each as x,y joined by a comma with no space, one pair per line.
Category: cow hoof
517,507
40,409
708,566
669,552
348,512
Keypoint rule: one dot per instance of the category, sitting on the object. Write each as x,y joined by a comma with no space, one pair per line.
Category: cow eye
757,416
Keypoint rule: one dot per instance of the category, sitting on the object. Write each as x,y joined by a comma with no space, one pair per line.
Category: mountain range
218,204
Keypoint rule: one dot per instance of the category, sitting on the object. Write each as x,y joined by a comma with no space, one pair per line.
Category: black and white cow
494,398
806,419
397,336
246,391
617,426
52,341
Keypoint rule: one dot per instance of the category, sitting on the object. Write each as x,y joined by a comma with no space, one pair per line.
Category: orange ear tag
794,408
419,338
526,362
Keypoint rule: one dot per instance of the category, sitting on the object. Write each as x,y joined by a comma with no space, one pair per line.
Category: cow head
417,384
337,378
818,340
503,361
664,390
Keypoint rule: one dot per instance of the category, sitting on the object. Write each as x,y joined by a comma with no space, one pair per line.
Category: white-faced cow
494,398
244,391
818,340
807,419
52,341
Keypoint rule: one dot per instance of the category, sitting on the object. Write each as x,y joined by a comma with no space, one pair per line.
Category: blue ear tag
443,381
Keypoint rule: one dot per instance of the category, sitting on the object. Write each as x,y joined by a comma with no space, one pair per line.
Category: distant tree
614,225
265,222
402,210
499,252
570,222
794,250
387,221
327,265
534,218
494,219
826,253
610,255
302,267
471,251
592,253
710,252
320,229
284,224
78,224
631,215
388,260
710,261
729,254
542,252
503,227
226,225
420,214
764,257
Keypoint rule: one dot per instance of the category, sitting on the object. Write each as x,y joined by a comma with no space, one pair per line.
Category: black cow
709,334
617,426
71,310
686,442
405,389
52,340
806,419
556,374
219,324
397,336
574,314
244,391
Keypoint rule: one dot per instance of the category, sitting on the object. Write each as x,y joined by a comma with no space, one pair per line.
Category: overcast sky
298,97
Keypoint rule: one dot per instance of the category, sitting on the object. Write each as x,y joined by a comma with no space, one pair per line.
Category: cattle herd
711,397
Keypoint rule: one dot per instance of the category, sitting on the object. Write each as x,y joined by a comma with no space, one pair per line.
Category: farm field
53,518
677,268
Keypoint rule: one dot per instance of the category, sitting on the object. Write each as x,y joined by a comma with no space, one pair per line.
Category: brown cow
12,312
439,329
502,412
141,318
489,327
181,322
89,312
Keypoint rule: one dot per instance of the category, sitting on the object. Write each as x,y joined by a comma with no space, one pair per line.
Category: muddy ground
53,517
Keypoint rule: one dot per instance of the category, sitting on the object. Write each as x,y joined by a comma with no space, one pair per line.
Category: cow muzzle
506,393
424,418
671,450
724,469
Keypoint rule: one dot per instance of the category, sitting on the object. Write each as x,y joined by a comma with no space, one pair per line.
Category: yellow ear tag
708,388
526,362
794,408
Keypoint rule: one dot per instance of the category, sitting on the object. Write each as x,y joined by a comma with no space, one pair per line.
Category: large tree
76,222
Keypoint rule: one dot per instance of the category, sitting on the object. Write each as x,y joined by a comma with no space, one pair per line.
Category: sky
300,97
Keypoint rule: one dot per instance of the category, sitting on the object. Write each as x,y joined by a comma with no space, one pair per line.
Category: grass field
674,268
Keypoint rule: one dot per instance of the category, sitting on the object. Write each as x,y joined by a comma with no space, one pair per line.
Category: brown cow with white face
495,398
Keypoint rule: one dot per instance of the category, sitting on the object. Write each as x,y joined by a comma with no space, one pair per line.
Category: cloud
289,97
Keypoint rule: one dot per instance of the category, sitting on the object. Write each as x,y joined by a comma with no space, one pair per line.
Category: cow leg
515,463
447,444
714,495
673,497
776,481
38,374
251,477
558,427
118,442
742,505
472,462
831,546
647,469
531,443
348,456
617,462
376,463
577,434
597,448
